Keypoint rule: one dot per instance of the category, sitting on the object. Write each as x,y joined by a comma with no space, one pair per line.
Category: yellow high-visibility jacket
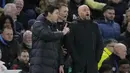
105,55
95,5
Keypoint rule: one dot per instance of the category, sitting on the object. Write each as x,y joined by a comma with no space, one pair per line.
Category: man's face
25,57
54,15
109,14
124,68
84,12
128,16
63,13
7,34
19,5
14,13
121,52
128,27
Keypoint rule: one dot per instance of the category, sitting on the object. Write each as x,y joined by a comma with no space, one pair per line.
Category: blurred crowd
17,18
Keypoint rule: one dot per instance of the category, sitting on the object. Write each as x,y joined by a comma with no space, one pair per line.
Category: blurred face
54,16
7,23
14,12
121,52
19,5
124,68
84,12
128,16
128,27
116,1
63,13
25,57
109,14
7,34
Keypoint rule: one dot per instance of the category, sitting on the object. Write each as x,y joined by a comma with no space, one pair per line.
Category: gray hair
26,33
8,8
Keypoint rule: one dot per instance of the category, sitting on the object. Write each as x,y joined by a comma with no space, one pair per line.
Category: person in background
21,16
27,40
108,27
6,21
9,46
22,62
108,50
120,7
126,39
124,66
106,68
46,55
84,43
118,54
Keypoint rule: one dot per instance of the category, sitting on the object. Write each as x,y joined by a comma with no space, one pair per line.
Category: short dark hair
124,61
3,19
108,41
105,8
22,50
105,67
50,9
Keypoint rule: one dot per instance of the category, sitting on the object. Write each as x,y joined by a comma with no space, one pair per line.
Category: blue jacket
109,29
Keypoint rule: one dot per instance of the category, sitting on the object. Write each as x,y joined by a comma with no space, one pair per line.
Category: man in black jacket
46,54
84,43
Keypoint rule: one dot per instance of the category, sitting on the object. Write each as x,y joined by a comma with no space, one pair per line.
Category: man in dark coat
9,47
46,54
84,43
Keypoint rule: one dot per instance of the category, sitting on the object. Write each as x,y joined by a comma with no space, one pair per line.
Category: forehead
24,53
8,30
110,10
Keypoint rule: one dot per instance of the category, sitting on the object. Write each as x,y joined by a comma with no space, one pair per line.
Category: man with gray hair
21,16
27,40
11,10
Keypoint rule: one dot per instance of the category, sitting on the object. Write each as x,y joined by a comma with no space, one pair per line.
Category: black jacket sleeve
42,32
99,44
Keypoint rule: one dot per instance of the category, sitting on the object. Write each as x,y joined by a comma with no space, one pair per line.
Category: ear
49,14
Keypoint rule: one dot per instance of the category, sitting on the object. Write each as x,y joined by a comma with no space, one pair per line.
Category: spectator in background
6,22
120,8
106,68
108,27
124,66
11,10
108,50
73,7
8,46
118,54
27,40
21,16
126,40
22,62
